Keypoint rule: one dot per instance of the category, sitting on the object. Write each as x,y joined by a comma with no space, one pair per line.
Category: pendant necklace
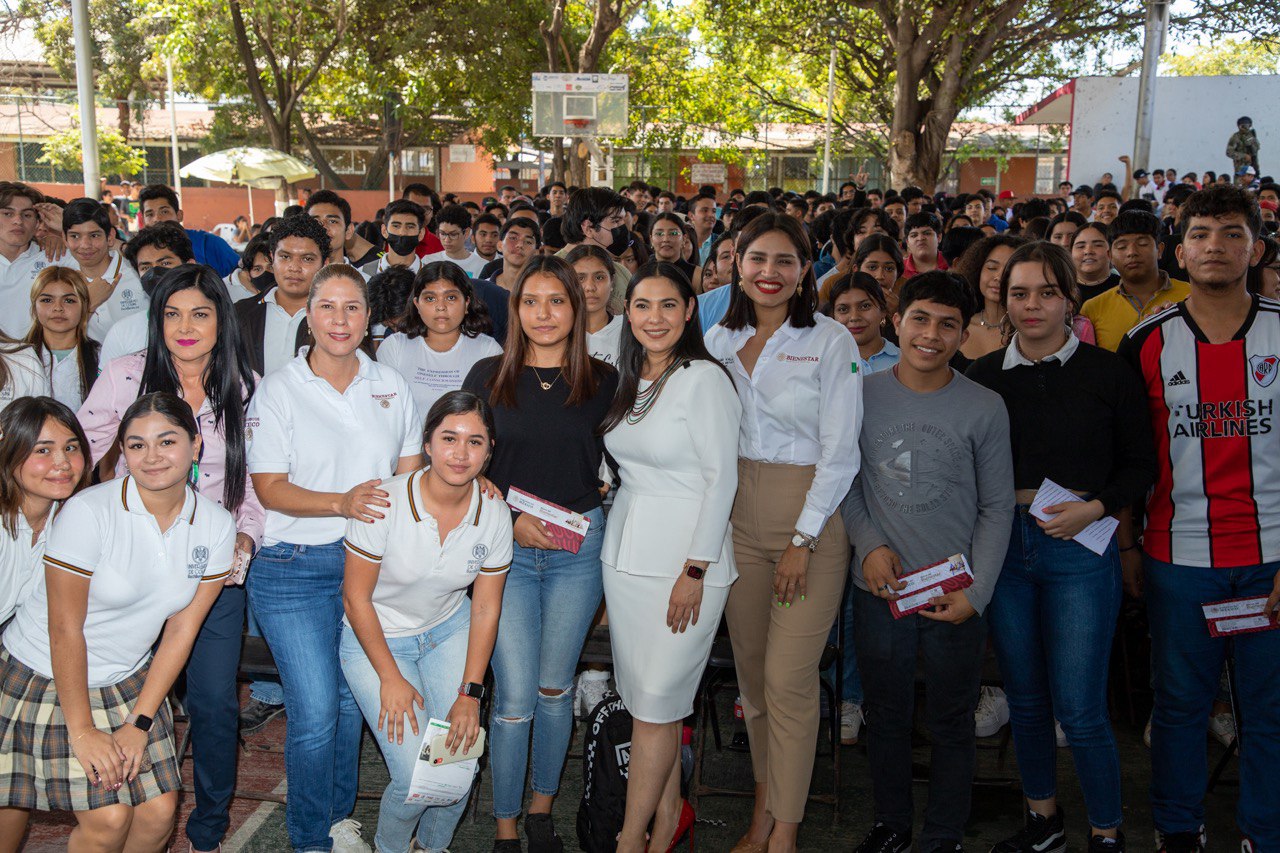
546,386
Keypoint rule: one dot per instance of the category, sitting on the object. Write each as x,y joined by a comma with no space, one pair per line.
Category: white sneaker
992,713
346,837
1059,735
850,722
1223,727
592,685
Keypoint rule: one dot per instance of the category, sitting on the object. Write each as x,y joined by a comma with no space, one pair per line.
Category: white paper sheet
1096,537
438,785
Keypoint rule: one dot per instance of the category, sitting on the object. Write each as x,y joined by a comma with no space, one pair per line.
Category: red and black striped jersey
1216,500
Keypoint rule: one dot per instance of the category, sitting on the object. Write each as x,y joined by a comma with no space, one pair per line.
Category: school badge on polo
1264,368
199,562
478,553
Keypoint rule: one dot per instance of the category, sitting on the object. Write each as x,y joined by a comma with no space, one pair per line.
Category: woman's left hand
685,604
487,488
132,743
464,724
789,577
1071,517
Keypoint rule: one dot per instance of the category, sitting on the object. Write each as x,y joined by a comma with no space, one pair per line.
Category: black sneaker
508,845
882,839
255,715
1181,842
1039,834
541,833
1101,844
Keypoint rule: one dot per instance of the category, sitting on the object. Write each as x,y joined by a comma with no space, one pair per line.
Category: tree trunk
124,117
317,156
579,167
558,170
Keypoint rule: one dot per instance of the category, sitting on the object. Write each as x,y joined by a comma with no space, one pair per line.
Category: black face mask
151,278
262,282
621,240
403,244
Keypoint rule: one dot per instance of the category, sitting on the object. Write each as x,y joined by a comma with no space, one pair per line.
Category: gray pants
887,650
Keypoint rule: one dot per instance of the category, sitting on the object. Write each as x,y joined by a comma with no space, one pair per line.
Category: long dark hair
457,403
804,302
1055,261
86,347
474,322
228,380
969,265
20,426
579,372
689,348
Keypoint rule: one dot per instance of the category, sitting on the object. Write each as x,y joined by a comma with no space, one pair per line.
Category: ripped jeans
549,602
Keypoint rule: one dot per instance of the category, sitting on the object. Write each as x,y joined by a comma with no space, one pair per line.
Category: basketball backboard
590,105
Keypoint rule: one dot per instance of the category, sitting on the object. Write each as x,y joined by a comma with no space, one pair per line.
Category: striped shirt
1216,501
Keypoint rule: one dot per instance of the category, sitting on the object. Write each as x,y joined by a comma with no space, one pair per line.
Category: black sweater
1083,424
545,448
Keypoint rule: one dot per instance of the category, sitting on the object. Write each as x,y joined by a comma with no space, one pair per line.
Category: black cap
1084,190
1141,173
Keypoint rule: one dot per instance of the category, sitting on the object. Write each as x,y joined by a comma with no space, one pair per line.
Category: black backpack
606,755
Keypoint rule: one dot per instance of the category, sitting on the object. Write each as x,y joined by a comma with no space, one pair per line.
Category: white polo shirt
27,376
16,279
422,582
64,375
471,265
235,289
279,335
138,575
432,374
298,424
605,343
21,564
126,337
127,297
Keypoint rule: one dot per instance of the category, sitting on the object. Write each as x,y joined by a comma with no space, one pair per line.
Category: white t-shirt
21,564
472,264
127,297
605,343
27,377
432,374
298,424
138,575
126,337
422,582
16,279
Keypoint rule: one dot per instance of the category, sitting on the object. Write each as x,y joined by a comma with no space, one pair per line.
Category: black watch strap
695,572
472,689
141,722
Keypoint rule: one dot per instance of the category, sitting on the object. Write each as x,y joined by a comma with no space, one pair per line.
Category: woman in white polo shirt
445,330
413,646
324,431
84,722
59,333
594,269
801,392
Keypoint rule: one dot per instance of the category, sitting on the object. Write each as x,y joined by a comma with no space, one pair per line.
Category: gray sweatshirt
936,479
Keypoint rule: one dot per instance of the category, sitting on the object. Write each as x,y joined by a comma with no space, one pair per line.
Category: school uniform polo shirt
16,279
421,580
298,424
138,575
127,296
21,565
1114,312
27,377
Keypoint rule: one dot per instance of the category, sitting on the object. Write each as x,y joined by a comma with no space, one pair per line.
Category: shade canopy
254,167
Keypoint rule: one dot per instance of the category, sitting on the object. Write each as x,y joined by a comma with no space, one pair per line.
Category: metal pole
85,91
173,127
249,187
22,144
391,176
831,94
1152,48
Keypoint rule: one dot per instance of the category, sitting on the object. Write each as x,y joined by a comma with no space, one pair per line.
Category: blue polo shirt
211,250
713,305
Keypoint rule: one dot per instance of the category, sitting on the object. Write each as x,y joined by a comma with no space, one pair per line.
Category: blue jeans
1052,617
213,710
851,683
433,662
548,604
296,595
1187,664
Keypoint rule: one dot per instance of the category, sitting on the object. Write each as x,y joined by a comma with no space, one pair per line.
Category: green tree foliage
115,155
1229,56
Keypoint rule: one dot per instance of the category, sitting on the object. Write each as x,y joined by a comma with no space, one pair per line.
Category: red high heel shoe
684,826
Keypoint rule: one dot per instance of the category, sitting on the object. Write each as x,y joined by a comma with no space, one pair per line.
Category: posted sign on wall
709,173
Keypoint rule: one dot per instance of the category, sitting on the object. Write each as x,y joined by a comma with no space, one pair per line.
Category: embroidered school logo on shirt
1264,368
478,553
199,562
127,302
249,425
384,400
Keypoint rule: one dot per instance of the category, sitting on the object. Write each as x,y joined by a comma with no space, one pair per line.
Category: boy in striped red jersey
1209,367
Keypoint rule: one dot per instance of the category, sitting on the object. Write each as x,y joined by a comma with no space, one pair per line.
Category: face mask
403,244
621,240
263,282
151,278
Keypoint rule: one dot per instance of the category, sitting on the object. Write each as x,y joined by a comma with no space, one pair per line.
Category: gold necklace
546,386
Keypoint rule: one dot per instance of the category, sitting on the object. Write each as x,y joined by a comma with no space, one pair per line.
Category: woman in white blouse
59,334
797,377
667,554
325,431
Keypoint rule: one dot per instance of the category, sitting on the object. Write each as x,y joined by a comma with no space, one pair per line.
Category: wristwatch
803,540
141,722
471,690
695,572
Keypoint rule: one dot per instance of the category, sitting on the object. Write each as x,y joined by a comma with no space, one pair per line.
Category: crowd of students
767,408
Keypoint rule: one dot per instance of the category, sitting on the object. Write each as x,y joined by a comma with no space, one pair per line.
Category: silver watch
803,540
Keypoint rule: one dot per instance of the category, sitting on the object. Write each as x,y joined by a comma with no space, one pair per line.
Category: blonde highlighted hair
86,348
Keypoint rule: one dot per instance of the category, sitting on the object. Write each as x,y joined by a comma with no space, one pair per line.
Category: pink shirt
112,394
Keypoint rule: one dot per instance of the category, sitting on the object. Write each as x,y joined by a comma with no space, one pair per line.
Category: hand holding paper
924,585
1096,537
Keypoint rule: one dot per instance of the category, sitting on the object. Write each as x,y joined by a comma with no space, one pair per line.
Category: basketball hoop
577,123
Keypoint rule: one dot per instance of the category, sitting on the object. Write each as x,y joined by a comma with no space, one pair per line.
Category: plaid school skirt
37,767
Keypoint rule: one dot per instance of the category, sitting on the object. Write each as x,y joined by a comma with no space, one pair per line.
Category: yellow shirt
1114,312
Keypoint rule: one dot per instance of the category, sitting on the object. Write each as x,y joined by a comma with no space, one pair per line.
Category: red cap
1005,195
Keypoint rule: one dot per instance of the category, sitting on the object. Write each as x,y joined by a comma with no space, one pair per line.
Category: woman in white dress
668,549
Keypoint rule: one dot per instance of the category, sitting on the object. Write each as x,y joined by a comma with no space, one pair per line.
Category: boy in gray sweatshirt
936,480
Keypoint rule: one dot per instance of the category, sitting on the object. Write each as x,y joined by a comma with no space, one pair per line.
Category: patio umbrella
252,167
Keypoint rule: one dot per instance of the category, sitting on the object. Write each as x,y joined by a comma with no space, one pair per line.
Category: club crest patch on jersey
1264,368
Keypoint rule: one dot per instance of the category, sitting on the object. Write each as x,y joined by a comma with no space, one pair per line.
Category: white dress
679,474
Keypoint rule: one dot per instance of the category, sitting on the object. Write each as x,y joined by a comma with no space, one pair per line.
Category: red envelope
929,582
1233,616
565,527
